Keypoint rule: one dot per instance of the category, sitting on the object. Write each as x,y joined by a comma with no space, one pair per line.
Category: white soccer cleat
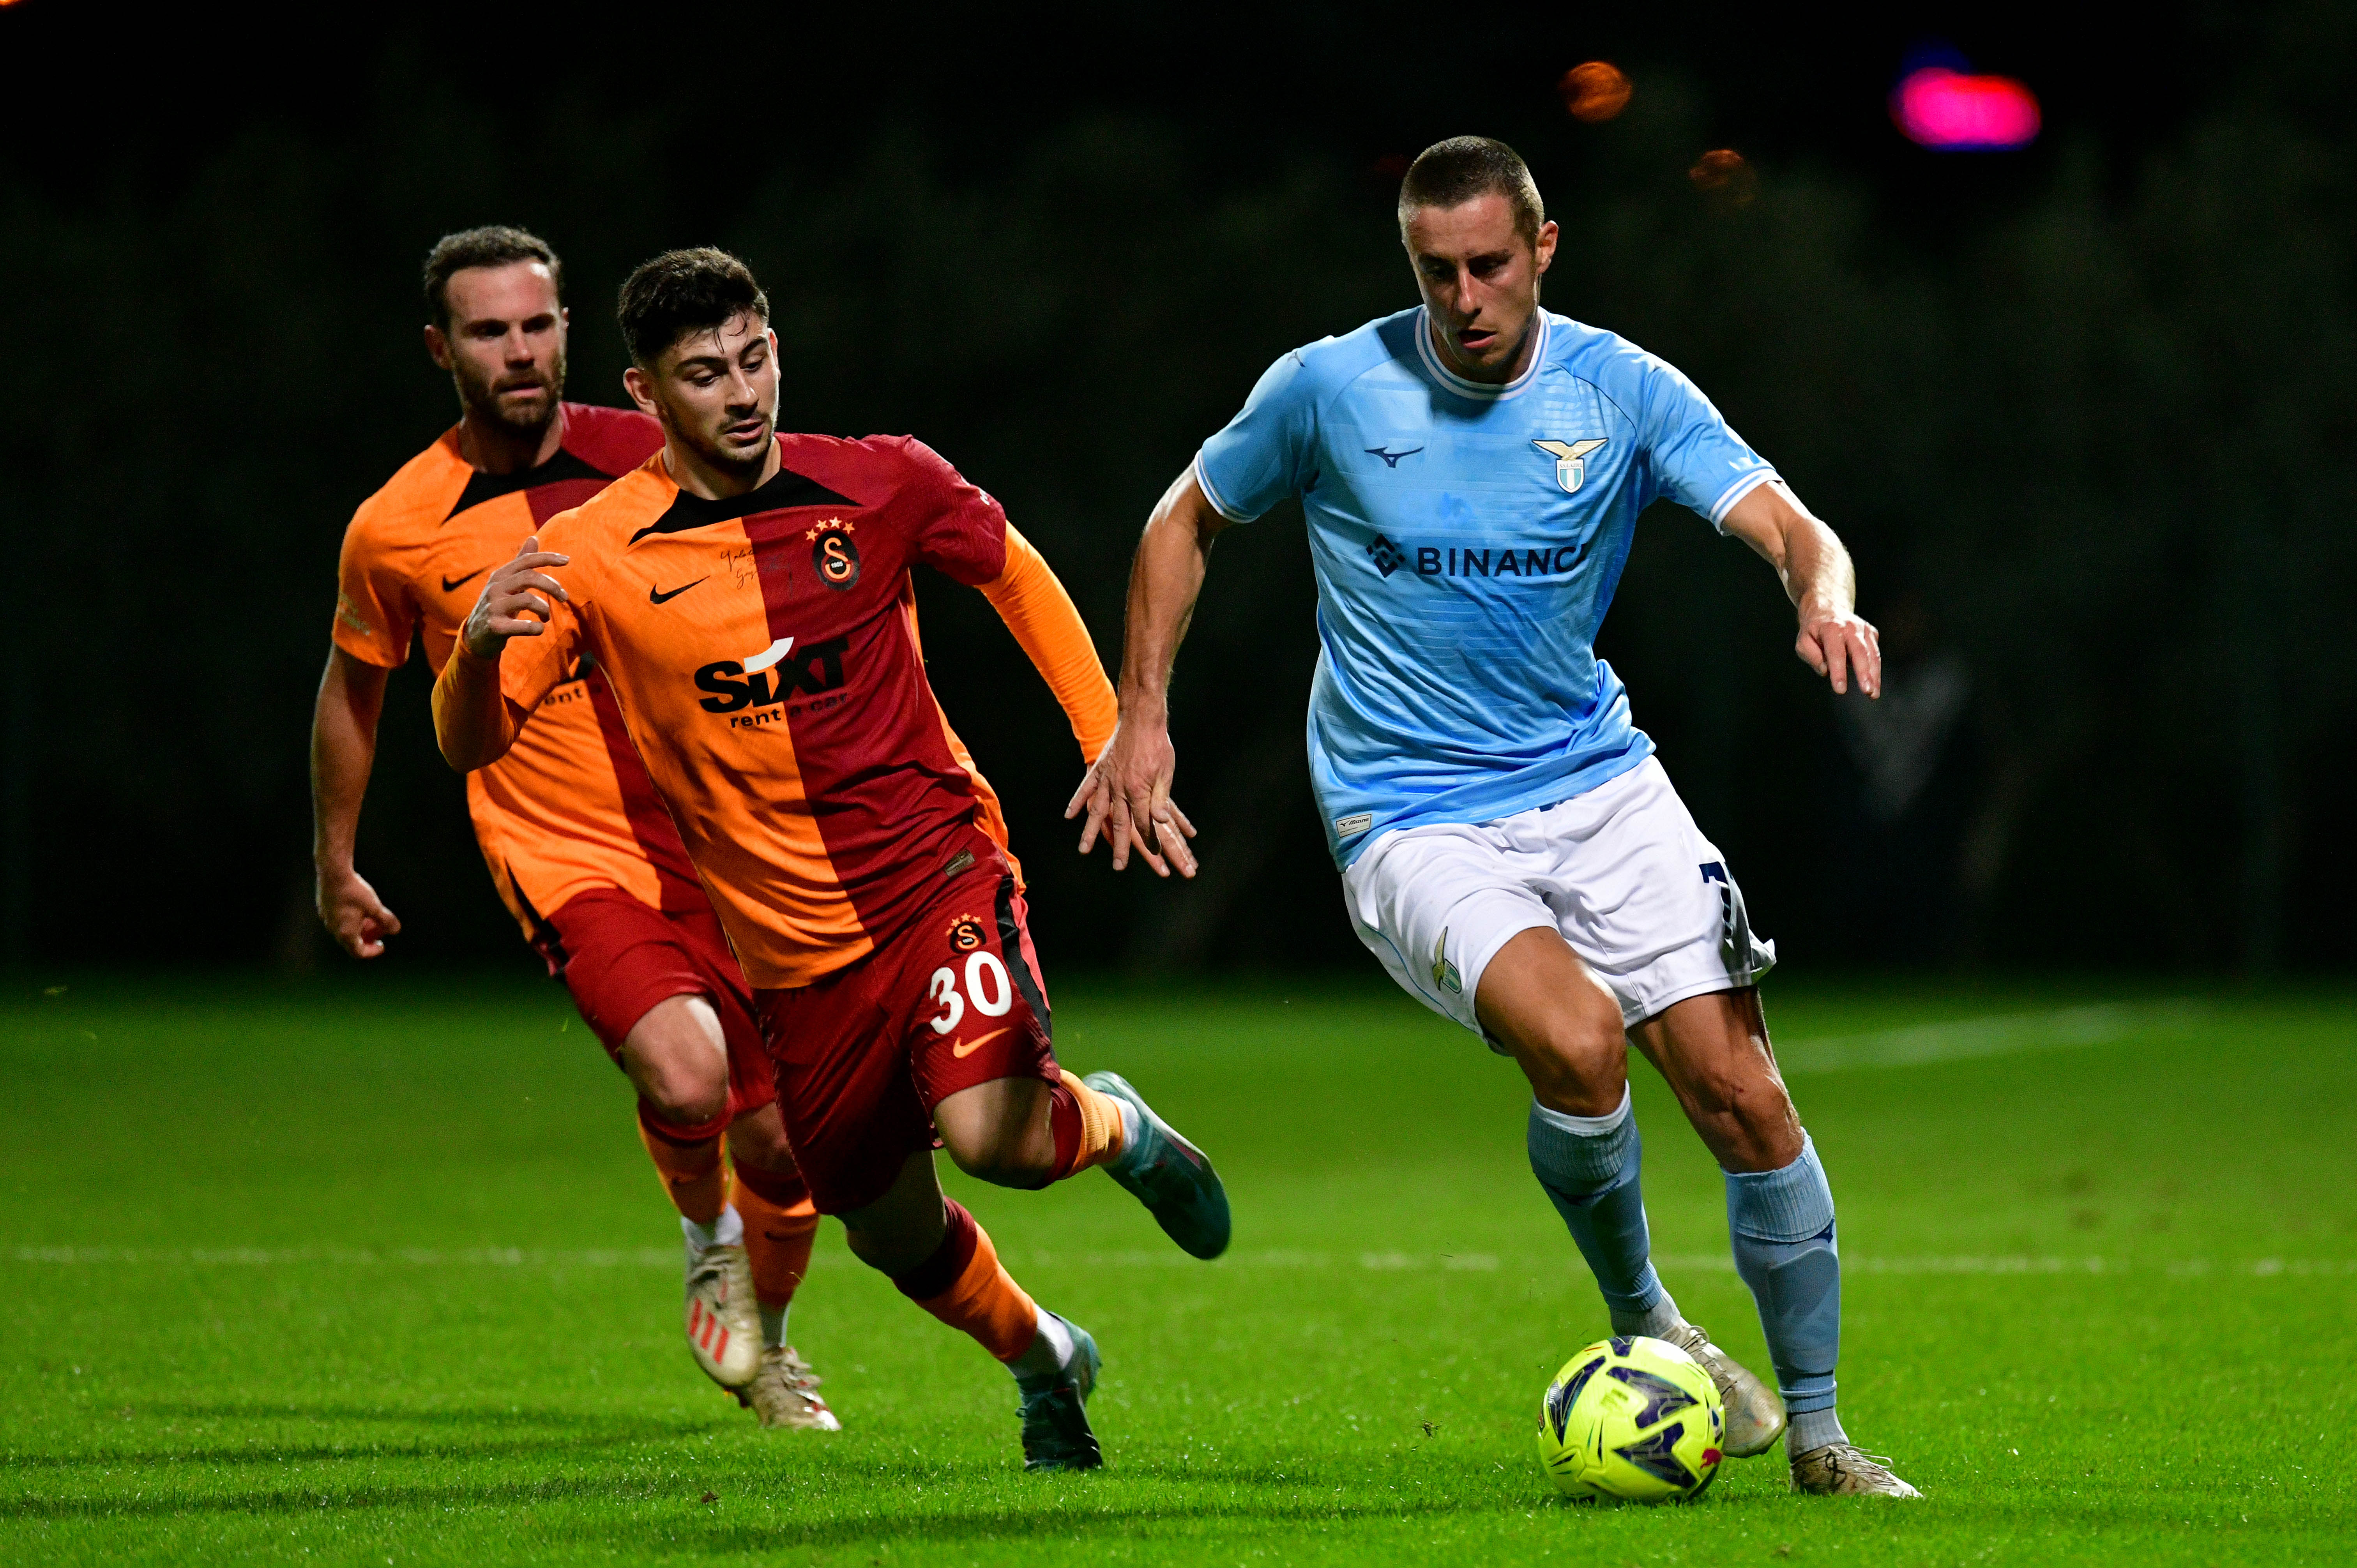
724,1323
1843,1470
784,1392
1755,1412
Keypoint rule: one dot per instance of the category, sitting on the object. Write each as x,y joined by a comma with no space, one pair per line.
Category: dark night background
2084,413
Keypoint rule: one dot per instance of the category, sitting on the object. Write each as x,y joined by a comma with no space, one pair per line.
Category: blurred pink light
1953,113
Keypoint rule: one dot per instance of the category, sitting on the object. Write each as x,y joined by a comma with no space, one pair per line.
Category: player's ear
437,348
1544,248
635,382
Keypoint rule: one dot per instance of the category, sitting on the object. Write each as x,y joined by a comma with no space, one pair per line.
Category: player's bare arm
343,752
1833,640
473,721
1129,787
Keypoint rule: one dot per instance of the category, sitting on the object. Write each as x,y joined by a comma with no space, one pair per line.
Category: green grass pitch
374,1272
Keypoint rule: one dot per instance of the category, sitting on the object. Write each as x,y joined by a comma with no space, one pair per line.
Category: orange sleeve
480,705
1036,608
375,610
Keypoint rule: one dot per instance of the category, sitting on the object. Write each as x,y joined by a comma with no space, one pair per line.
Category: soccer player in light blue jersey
1471,472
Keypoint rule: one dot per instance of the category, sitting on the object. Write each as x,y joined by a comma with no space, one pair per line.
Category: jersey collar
1484,391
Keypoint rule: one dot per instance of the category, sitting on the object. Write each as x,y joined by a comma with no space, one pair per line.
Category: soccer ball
1634,1419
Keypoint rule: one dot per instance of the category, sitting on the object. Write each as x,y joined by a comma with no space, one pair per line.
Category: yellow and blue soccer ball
1631,1418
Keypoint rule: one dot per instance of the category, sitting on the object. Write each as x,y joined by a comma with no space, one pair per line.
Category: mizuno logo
452,585
967,1047
1391,459
659,596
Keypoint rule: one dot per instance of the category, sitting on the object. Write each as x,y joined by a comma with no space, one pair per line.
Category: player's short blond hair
1453,172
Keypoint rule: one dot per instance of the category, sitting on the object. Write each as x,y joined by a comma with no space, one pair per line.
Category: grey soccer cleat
1843,1470
1755,1413
784,1392
1056,1434
724,1325
1170,1175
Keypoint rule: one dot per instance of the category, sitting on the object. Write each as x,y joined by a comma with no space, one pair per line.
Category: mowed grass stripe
2096,1305
1475,1262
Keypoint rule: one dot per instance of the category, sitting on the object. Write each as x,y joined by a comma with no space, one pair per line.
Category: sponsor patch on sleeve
1356,822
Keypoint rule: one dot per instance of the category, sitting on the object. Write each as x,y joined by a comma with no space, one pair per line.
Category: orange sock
781,1223
691,1171
1087,1126
963,1284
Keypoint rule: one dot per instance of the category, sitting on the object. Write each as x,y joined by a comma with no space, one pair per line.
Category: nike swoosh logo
967,1047
657,596
452,585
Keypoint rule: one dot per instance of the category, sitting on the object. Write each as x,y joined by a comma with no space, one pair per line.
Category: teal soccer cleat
1170,1175
1056,1434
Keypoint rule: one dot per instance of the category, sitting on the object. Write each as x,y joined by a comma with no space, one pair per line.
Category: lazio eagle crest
1570,461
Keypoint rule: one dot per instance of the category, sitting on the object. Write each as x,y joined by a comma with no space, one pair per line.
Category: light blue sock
1781,1223
1589,1165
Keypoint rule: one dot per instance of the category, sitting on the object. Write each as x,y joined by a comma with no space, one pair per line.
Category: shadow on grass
1062,1516
321,1499
567,1432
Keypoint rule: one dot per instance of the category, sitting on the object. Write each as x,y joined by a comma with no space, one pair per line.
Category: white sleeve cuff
1212,495
1734,492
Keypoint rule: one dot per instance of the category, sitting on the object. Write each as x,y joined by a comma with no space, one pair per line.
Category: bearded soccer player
748,595
580,846
1471,471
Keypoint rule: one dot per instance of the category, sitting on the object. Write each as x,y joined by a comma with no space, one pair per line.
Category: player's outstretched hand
1127,789
1842,647
353,914
515,600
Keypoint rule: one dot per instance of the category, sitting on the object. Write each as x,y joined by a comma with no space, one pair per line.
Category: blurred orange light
1726,175
1595,92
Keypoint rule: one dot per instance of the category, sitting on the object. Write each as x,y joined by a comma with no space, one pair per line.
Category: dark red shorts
620,957
864,1055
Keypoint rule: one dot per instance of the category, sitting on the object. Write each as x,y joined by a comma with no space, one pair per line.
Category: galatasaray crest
1570,461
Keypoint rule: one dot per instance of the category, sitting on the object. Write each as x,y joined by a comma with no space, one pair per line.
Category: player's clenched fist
353,912
516,600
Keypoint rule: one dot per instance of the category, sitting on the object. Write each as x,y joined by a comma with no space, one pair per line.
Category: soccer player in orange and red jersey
748,593
581,849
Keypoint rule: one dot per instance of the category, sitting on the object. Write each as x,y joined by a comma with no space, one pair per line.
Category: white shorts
1621,872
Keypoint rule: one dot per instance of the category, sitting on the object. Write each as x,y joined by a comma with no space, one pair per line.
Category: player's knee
1003,1156
1578,1065
761,1142
1756,1129
1005,1165
678,1096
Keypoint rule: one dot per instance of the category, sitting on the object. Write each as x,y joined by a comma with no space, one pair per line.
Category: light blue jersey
1468,539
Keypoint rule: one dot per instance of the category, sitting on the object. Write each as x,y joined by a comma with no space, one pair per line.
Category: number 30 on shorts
986,981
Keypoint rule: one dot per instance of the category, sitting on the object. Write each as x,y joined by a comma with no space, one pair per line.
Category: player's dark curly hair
1451,173
492,245
681,291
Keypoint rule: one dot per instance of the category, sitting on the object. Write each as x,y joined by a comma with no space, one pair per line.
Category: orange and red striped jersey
570,808
764,652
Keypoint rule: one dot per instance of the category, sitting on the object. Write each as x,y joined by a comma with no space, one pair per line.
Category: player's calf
961,1282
